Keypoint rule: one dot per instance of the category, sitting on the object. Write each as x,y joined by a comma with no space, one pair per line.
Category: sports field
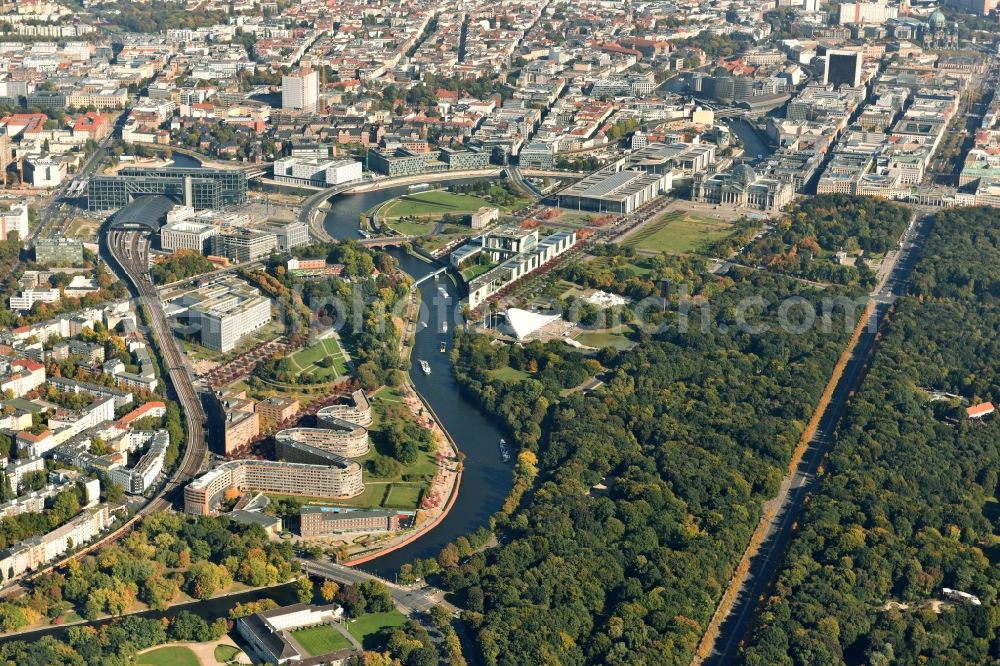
677,232
433,204
308,361
321,639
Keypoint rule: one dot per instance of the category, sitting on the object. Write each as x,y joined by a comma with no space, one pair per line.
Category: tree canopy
906,504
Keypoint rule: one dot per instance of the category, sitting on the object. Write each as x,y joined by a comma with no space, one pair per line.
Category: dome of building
937,19
744,175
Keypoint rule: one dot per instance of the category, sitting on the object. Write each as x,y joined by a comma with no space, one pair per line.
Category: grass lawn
410,228
509,374
433,204
366,626
226,653
321,639
558,289
82,227
370,498
404,496
636,266
305,360
476,270
387,394
677,232
616,338
173,655
436,242
573,217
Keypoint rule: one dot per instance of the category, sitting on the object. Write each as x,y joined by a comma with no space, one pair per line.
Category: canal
754,140
210,609
185,161
485,479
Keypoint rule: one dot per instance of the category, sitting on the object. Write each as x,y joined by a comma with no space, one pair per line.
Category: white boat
419,186
504,451
444,327
444,347
425,367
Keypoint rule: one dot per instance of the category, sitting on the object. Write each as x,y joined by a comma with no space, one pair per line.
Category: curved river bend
486,480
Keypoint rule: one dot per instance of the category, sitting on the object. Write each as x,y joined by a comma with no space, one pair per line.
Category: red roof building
154,408
979,411
92,125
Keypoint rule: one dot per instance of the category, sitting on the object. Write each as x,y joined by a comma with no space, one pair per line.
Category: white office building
29,297
223,311
15,219
300,90
867,13
319,172
187,235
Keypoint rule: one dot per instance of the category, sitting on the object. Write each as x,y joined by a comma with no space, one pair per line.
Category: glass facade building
195,187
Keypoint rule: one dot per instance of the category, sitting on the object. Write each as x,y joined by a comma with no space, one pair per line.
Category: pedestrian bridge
430,275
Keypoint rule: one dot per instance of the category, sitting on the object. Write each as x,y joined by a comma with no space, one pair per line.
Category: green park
678,232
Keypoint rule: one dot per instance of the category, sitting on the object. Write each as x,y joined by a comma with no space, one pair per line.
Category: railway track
129,249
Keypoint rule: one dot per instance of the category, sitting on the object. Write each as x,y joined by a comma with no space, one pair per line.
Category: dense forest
907,505
633,503
805,241
168,554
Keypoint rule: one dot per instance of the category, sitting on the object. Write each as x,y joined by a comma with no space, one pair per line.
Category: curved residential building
358,410
340,437
338,477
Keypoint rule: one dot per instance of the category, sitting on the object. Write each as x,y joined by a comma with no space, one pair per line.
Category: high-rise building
242,245
187,235
300,90
223,311
842,68
14,220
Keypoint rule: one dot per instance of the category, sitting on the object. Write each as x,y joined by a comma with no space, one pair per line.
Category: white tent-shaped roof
525,323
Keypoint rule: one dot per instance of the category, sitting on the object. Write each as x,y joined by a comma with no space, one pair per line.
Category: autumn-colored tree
448,557
328,590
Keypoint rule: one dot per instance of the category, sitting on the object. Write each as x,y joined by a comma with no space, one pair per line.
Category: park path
355,643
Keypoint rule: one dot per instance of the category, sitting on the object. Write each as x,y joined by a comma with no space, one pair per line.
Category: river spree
485,479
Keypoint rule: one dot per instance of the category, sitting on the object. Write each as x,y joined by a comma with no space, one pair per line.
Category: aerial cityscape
537,332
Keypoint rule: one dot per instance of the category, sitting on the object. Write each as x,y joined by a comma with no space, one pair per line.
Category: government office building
340,480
